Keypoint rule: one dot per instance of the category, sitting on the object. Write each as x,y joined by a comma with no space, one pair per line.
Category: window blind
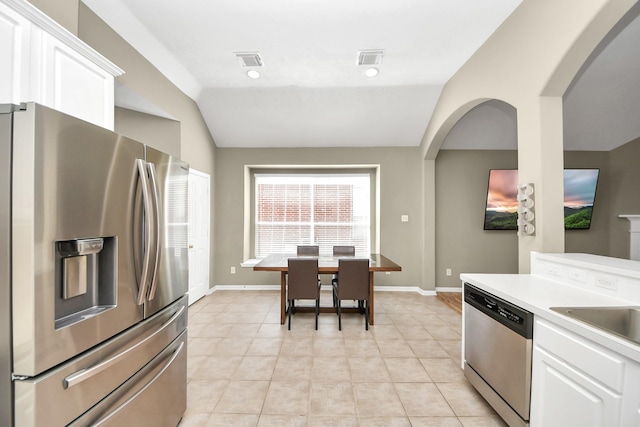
323,210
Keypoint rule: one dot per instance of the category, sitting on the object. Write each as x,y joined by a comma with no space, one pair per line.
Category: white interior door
199,221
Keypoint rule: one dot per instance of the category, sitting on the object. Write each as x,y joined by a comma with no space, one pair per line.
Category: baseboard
245,288
324,287
442,289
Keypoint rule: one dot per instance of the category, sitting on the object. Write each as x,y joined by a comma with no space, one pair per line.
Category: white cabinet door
72,84
199,226
565,397
42,62
14,56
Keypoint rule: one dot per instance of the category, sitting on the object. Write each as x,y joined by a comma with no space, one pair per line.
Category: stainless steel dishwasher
498,339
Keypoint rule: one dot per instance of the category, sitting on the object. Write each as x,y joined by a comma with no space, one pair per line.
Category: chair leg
290,307
317,310
366,315
339,316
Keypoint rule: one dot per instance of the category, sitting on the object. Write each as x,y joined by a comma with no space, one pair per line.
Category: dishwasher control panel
508,314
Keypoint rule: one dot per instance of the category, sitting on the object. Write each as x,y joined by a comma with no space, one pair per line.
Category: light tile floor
245,369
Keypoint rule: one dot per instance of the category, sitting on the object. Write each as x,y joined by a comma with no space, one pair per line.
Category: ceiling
312,92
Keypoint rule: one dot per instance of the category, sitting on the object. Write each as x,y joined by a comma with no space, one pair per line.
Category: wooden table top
326,264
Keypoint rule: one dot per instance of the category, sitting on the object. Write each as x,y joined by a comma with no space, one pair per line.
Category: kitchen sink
621,321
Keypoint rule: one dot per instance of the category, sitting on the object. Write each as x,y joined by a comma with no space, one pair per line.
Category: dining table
327,264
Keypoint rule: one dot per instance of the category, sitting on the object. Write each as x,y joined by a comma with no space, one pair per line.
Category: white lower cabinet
577,382
566,397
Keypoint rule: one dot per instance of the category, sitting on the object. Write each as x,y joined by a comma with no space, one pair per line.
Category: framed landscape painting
501,211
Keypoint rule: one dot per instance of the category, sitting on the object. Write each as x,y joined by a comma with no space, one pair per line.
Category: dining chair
344,251
352,284
302,283
308,251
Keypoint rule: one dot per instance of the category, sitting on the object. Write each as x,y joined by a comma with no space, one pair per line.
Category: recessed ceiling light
253,74
371,72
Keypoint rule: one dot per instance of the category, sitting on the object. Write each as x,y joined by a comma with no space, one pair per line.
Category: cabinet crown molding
44,22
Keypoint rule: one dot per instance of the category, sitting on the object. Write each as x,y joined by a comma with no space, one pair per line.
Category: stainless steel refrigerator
93,275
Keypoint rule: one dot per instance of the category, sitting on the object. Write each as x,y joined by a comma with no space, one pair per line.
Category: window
312,209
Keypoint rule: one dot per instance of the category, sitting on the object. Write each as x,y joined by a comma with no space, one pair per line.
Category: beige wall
194,143
461,194
461,186
596,239
197,146
529,62
513,66
400,192
157,132
64,12
624,179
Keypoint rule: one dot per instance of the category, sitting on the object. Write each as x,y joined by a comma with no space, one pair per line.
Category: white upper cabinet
14,64
41,61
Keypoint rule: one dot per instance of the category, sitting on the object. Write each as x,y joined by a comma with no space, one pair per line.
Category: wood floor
452,299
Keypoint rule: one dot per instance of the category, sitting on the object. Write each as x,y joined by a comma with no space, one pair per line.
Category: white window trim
375,240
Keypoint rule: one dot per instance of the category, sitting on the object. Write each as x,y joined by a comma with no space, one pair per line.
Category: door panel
199,226
82,382
71,180
154,397
566,397
173,269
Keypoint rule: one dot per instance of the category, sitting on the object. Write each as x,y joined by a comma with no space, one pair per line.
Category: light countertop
537,295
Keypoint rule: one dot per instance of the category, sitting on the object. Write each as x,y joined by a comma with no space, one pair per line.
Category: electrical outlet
554,270
577,275
448,272
233,270
607,282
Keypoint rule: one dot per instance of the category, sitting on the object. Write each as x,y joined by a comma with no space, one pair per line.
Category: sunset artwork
579,195
502,205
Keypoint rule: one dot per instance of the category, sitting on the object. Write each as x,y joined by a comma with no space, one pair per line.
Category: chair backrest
344,250
353,279
303,278
309,250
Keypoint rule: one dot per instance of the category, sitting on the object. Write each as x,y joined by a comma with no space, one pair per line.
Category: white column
634,240
541,163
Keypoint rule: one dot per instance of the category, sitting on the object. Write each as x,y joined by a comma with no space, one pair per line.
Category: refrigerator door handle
148,236
85,374
157,231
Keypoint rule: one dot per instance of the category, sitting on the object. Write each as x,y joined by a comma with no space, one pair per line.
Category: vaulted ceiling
311,92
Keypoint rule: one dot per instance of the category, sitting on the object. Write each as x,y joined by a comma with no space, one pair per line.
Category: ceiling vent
249,59
370,57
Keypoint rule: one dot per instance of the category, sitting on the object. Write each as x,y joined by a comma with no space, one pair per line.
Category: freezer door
155,397
63,394
74,284
170,277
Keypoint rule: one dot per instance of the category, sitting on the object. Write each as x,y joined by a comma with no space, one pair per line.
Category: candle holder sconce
526,215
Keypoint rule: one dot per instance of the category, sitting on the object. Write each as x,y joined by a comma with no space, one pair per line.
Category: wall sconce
526,216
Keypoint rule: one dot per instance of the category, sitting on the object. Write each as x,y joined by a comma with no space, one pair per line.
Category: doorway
199,232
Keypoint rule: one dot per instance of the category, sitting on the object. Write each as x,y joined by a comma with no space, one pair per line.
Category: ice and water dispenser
86,278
